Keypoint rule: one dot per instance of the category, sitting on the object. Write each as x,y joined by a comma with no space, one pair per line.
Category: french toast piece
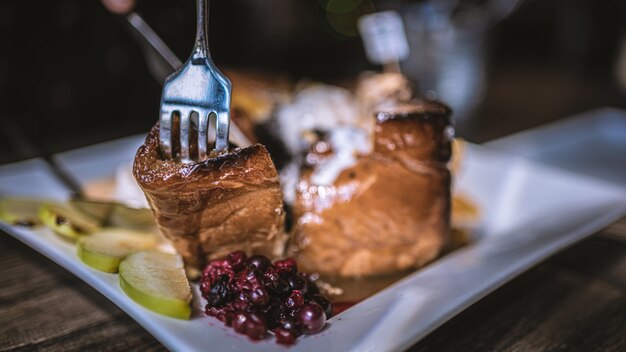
390,210
209,209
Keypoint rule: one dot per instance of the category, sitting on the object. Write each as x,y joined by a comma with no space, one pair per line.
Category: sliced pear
157,281
104,250
66,221
20,211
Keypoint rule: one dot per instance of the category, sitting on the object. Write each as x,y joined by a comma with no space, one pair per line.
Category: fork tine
185,127
203,130
165,134
211,134
221,134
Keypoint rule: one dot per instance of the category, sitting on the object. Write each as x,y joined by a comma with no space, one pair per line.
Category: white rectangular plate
592,143
529,212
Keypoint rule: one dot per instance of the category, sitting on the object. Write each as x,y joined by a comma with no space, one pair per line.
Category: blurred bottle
448,40
620,65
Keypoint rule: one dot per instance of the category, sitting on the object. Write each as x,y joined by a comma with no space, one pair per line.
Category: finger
119,7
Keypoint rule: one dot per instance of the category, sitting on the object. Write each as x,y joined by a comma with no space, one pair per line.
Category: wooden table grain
574,301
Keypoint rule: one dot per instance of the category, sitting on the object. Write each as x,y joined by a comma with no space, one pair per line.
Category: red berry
288,324
311,318
255,327
219,294
287,265
270,277
296,282
258,262
237,260
295,300
221,313
285,337
205,287
252,296
239,323
215,269
324,303
259,297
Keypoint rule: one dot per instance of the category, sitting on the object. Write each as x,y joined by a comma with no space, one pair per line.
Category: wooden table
575,301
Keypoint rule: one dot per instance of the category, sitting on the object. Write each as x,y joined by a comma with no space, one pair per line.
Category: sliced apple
157,281
116,214
104,250
66,221
20,211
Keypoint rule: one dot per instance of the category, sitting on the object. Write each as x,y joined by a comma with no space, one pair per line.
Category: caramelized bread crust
388,212
208,209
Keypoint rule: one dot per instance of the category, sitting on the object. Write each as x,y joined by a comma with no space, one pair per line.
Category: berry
205,287
295,301
288,324
287,265
324,303
258,262
245,280
218,295
270,276
239,322
311,318
259,297
215,269
252,275
285,337
241,303
224,314
296,282
255,327
282,288
253,295
275,284
237,260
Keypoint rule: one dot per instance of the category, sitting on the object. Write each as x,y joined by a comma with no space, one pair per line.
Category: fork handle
201,49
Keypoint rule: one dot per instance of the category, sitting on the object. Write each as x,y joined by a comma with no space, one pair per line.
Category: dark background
71,75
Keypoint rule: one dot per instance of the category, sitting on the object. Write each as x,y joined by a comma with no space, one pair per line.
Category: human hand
119,7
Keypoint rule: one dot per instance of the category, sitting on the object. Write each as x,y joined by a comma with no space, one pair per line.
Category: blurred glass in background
449,42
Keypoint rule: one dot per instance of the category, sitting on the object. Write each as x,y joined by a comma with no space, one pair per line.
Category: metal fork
195,92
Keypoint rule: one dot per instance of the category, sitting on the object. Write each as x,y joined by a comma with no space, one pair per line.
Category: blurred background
71,74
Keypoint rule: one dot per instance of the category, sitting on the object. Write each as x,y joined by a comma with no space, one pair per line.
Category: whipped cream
318,107
347,143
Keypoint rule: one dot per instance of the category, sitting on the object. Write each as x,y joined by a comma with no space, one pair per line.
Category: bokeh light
342,15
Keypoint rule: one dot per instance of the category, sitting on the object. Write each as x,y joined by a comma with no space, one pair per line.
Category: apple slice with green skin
116,214
104,250
66,221
158,282
20,211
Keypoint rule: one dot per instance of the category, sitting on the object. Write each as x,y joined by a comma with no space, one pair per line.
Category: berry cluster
255,296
